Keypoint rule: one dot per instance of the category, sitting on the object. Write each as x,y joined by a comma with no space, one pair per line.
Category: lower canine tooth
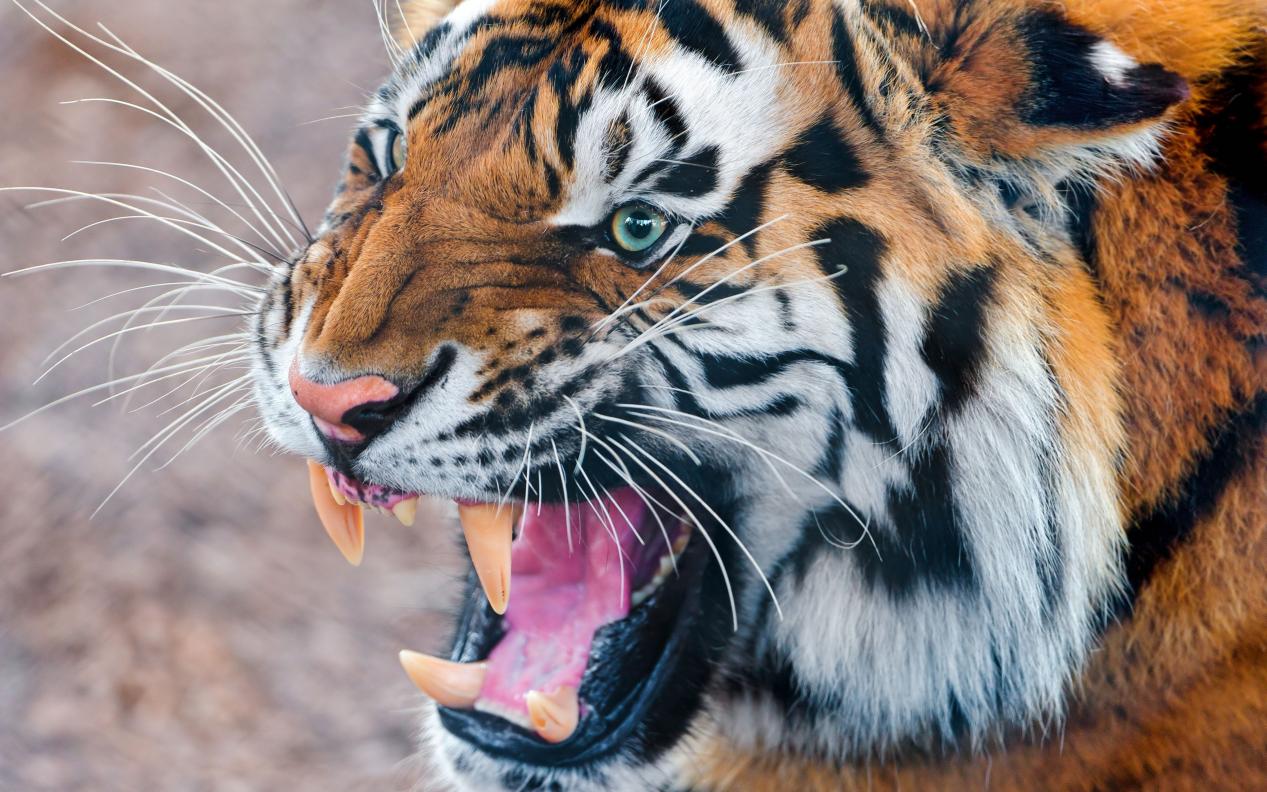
406,511
343,522
554,715
453,685
334,493
489,530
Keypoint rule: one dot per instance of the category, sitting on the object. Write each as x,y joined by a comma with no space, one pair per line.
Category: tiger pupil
640,225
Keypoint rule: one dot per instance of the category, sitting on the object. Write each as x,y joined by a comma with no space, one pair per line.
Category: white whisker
743,548
721,564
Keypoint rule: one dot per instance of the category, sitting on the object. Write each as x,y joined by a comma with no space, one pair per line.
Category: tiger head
760,327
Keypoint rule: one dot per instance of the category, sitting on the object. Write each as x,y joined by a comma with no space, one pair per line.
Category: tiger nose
351,411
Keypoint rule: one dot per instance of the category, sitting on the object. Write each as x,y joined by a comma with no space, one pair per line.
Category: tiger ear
1034,85
414,18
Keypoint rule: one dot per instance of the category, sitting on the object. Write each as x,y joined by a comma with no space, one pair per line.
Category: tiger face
751,342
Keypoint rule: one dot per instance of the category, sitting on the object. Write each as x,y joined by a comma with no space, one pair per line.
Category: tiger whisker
106,198
651,430
196,375
763,452
404,20
209,398
522,469
207,427
201,378
179,368
141,265
607,523
756,288
721,564
226,121
231,174
205,361
643,43
164,323
168,175
660,289
580,417
743,548
610,499
653,505
115,317
174,427
192,285
394,53
647,334
769,66
567,507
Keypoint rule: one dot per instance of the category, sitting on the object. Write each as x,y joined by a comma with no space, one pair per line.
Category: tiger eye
636,228
398,152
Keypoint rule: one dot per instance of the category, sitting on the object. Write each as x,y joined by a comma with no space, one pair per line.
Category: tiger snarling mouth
582,613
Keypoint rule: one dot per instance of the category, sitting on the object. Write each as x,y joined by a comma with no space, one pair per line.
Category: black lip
630,665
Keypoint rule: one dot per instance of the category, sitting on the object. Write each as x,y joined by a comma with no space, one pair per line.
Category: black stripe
847,70
1066,88
569,120
823,159
616,66
897,19
747,205
954,344
667,113
722,371
1234,446
766,13
925,544
832,465
860,248
696,30
693,177
366,145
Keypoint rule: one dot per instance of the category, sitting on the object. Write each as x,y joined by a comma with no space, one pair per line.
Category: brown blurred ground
200,632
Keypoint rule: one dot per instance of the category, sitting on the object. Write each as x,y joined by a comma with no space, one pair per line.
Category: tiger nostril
371,419
349,411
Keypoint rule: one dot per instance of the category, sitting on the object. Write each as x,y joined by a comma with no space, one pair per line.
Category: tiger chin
833,392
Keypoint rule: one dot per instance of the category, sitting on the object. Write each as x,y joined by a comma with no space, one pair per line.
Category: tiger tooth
489,530
453,685
554,715
343,522
406,511
334,493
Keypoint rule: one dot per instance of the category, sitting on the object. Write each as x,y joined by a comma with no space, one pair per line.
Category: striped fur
967,273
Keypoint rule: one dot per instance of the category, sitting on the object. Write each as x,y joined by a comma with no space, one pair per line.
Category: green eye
397,152
636,228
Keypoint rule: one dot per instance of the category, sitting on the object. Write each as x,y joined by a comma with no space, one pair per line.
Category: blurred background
200,631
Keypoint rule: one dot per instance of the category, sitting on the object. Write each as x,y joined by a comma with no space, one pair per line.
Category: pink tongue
560,597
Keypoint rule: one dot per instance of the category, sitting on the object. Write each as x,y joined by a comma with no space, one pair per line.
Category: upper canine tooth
489,530
343,522
406,511
554,715
453,685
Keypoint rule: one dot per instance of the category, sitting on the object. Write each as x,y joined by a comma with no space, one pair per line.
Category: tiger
834,394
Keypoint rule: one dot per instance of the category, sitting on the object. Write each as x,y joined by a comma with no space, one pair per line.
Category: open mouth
581,613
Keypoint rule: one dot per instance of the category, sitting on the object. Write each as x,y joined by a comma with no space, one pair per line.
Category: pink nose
334,408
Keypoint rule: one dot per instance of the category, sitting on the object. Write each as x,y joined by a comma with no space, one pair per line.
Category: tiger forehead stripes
787,394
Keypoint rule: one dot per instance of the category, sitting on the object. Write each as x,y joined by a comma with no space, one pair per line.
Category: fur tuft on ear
415,17
1027,85
1081,81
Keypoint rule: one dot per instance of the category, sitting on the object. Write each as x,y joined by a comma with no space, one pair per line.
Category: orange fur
1176,698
